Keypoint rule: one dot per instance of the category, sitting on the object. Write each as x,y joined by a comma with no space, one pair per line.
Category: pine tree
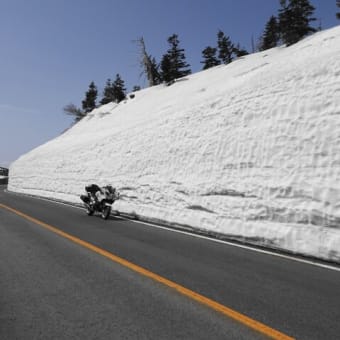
108,95
294,20
136,88
239,52
338,4
89,103
166,70
285,21
210,59
118,89
225,48
173,64
271,35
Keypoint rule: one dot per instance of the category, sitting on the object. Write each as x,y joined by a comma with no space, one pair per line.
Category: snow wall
250,150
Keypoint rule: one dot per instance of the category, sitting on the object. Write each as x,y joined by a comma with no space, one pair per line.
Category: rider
98,193
94,190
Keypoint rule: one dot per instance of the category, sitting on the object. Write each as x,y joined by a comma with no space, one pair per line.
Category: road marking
193,234
243,246
290,257
251,323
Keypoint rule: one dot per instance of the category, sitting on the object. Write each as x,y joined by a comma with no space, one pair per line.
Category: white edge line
268,252
262,251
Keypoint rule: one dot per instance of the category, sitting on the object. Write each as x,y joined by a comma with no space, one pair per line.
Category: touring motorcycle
99,199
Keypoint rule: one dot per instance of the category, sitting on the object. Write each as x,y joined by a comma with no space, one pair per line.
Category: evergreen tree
136,88
108,95
118,89
295,17
89,103
239,52
210,59
271,35
285,20
225,48
166,70
173,64
338,4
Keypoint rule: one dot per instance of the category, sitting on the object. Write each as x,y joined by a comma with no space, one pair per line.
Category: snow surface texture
250,150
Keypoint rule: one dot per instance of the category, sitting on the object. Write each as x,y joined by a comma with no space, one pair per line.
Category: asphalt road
53,288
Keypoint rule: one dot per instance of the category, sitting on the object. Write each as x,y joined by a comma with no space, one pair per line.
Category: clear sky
52,49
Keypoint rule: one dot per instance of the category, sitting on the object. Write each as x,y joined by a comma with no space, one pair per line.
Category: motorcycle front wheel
89,210
106,212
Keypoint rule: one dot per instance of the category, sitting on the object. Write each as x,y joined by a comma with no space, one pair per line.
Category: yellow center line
245,320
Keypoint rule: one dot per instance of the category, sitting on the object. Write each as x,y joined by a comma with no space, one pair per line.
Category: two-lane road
63,275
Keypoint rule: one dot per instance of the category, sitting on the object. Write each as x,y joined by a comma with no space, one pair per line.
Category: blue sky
52,49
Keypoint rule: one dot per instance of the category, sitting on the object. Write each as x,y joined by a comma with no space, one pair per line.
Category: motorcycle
99,199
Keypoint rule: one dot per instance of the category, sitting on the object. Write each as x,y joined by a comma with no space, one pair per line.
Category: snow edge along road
203,234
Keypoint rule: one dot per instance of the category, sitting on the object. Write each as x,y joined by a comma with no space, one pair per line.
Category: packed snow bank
250,150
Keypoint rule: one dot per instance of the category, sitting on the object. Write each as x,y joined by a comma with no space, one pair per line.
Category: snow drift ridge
250,149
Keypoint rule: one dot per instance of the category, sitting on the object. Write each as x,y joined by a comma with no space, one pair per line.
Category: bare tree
145,61
74,111
148,64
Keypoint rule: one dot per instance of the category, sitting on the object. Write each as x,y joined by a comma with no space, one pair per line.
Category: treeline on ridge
292,23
